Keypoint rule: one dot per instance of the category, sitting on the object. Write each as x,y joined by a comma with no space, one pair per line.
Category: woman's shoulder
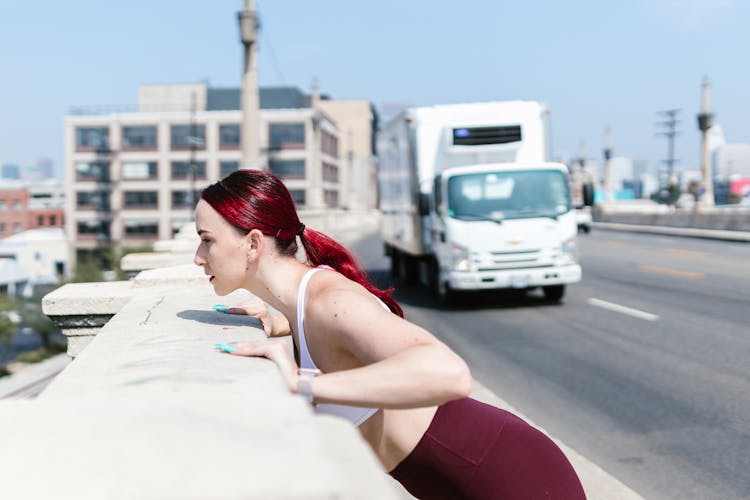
331,290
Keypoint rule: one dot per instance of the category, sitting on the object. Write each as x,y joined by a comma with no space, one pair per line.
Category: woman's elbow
460,379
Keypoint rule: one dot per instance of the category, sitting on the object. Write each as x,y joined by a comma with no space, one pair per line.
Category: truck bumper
515,278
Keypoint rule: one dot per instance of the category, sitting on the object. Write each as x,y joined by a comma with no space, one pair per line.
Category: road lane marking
622,309
672,272
686,253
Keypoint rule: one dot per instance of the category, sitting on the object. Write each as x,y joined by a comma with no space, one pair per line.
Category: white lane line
622,309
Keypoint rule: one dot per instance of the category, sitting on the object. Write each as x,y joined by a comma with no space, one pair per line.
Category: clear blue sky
595,63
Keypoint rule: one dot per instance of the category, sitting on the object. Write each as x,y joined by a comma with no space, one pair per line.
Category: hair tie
301,229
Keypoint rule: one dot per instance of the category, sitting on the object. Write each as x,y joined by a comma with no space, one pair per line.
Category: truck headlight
460,258
569,253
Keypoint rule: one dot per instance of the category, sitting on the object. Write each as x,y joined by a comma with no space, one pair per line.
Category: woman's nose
198,260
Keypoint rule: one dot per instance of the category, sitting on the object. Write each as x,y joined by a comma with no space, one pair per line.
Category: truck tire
554,293
395,264
409,269
440,288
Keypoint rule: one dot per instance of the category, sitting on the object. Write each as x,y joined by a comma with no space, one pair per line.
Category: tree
8,327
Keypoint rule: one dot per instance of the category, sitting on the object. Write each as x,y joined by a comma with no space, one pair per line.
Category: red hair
255,199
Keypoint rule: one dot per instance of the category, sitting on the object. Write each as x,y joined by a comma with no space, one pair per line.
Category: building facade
29,206
133,178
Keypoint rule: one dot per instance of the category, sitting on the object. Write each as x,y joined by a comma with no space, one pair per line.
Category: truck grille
495,261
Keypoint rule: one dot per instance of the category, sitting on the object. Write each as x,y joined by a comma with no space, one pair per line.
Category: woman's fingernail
220,307
224,347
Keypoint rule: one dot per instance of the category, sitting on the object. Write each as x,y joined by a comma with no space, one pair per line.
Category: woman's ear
255,243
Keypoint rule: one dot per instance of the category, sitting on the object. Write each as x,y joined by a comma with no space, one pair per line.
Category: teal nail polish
221,308
224,348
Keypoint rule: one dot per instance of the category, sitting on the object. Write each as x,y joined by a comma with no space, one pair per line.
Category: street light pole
250,137
608,165
705,121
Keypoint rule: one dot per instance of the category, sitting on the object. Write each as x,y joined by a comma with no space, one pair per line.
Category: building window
330,172
141,228
97,228
227,167
331,198
298,196
181,199
181,169
97,171
16,205
141,199
229,136
16,227
329,144
139,170
98,200
287,169
188,136
286,136
141,137
3,205
2,227
92,138
40,220
52,220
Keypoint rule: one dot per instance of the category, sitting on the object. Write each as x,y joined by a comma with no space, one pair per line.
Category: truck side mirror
424,204
588,194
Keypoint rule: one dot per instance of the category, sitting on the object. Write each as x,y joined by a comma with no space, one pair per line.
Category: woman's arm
404,366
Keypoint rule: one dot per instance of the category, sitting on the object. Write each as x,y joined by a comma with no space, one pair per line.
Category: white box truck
469,202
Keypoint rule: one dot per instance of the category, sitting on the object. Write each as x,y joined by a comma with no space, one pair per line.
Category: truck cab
503,226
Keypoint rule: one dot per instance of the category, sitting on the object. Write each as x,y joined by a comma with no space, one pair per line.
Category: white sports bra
355,414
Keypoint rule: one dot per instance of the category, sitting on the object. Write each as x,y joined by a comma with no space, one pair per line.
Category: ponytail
323,250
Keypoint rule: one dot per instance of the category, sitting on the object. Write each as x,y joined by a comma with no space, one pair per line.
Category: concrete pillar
705,121
249,99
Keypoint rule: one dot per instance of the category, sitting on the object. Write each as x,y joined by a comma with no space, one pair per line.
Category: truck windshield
501,195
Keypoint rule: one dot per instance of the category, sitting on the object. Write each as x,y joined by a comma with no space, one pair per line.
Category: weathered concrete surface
151,410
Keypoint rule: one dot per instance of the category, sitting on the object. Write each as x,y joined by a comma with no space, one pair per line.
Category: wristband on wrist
304,383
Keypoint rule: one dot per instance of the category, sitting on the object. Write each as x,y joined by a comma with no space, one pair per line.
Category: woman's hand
277,351
273,326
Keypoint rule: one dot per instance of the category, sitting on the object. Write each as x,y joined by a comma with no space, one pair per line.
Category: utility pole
705,121
608,165
194,142
670,125
249,131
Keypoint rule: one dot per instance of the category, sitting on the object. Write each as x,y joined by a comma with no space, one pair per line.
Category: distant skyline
595,64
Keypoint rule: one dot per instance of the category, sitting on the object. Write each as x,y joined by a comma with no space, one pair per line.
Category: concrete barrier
150,410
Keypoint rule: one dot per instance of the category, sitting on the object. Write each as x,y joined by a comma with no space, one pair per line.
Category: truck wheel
440,289
554,293
395,264
410,271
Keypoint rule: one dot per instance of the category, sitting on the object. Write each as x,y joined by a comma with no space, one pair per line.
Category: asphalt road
643,369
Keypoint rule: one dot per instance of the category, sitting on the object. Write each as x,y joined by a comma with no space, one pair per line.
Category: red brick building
25,207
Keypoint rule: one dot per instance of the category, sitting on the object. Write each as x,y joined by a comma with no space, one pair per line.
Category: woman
359,359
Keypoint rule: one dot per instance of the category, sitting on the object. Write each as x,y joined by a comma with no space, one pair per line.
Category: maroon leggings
474,450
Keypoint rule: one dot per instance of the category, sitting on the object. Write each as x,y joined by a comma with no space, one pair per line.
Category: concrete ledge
151,411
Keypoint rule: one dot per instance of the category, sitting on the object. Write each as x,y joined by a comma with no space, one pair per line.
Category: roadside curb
714,234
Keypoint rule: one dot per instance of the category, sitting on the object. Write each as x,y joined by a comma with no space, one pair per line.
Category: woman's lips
211,279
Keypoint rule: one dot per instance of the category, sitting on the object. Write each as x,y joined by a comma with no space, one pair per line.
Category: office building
133,177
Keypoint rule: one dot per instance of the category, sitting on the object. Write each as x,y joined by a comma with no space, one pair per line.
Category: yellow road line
686,253
672,272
